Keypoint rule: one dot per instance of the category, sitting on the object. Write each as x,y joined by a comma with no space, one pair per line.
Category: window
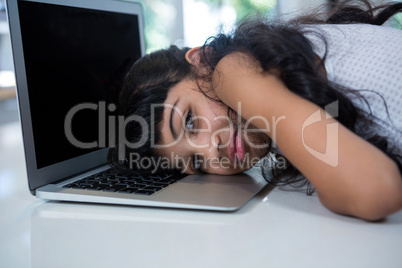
163,20
191,22
396,21
203,18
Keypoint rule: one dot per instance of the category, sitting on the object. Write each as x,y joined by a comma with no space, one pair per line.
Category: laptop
70,58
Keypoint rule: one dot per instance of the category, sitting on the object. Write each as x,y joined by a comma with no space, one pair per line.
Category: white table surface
275,229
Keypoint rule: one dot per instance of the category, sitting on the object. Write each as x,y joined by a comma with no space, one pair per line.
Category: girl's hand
351,176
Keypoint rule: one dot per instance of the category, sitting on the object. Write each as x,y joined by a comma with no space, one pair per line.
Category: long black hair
283,46
146,85
274,45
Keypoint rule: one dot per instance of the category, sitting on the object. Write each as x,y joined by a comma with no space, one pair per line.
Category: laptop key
114,188
168,180
86,185
124,183
129,181
135,176
128,190
101,186
141,185
161,184
152,188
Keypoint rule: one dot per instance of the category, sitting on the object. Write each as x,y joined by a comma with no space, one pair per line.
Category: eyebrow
172,130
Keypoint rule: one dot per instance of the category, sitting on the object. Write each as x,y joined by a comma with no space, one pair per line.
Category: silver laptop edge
210,192
42,176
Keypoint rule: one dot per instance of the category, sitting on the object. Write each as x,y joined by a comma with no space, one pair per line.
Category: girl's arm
351,176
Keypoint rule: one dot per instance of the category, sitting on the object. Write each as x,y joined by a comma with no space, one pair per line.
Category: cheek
212,117
216,108
257,143
217,114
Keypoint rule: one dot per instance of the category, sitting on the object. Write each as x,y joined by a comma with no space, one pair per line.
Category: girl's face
197,135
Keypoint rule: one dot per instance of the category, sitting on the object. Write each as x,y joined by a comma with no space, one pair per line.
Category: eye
190,122
197,162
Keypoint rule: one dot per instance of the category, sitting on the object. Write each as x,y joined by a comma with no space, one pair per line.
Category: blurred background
179,22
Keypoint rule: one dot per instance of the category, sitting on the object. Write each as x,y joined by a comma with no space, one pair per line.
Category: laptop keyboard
110,181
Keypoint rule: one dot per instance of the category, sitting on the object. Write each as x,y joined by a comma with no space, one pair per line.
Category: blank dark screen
73,56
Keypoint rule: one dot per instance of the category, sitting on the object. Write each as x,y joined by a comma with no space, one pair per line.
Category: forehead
186,89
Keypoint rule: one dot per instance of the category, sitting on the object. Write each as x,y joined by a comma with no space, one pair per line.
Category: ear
193,56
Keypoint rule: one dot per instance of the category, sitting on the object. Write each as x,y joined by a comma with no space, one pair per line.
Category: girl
315,100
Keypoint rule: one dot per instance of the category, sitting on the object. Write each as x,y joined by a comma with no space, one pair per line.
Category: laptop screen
74,57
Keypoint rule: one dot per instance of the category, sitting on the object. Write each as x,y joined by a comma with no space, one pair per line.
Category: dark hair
284,46
347,12
273,45
147,82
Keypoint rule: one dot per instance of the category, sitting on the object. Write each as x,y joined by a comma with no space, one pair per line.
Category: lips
236,149
240,152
